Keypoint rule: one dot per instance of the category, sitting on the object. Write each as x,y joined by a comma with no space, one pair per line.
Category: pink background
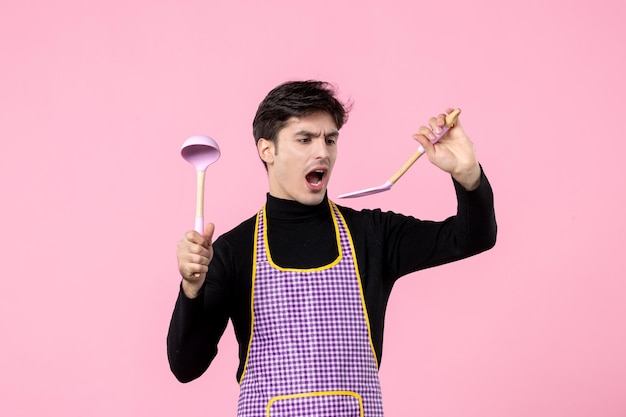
96,97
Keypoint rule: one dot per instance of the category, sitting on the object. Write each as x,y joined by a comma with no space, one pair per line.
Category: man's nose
321,148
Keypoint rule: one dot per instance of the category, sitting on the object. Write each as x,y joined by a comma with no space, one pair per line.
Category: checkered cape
310,352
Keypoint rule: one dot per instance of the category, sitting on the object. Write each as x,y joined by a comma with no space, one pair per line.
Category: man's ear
265,147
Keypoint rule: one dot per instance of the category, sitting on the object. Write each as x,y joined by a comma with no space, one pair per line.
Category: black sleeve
413,244
197,325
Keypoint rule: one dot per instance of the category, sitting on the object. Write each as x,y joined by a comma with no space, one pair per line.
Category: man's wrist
191,290
470,178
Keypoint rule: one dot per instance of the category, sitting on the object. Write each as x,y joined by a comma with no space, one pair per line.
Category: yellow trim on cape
254,257
358,275
316,394
319,268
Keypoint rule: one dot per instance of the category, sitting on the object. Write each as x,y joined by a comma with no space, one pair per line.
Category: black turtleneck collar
280,209
300,236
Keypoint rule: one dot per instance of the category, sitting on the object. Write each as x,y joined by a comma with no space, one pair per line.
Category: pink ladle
200,151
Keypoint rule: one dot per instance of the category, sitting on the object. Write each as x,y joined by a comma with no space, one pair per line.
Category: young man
305,281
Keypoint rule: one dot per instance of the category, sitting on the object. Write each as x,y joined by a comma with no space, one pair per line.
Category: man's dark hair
296,99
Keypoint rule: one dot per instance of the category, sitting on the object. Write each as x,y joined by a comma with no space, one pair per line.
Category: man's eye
331,141
304,140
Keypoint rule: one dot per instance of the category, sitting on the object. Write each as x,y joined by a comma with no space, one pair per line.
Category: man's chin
312,199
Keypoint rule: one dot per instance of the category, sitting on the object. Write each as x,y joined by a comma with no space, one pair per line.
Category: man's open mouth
315,177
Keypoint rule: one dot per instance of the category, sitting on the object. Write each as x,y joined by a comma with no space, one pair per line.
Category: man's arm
195,329
201,312
414,245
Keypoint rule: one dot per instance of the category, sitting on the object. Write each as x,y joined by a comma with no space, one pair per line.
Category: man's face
300,161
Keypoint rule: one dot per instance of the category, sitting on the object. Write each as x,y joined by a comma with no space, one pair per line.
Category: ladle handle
450,120
199,227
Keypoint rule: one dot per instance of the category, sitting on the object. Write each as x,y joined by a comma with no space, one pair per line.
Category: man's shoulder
366,213
242,232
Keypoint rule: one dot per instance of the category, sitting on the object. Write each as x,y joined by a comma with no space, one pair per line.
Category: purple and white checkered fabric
310,354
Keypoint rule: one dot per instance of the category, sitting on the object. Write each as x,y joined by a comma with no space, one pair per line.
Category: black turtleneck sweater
387,246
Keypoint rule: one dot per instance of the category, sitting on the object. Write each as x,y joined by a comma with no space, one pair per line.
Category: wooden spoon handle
199,227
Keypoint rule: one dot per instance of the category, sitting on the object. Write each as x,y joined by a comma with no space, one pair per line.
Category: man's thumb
209,228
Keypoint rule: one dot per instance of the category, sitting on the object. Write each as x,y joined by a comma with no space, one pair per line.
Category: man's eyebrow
332,134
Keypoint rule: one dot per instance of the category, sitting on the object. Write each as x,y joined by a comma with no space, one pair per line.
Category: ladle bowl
200,151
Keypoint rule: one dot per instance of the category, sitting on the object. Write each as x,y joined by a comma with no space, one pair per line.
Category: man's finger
428,133
194,237
209,229
424,141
